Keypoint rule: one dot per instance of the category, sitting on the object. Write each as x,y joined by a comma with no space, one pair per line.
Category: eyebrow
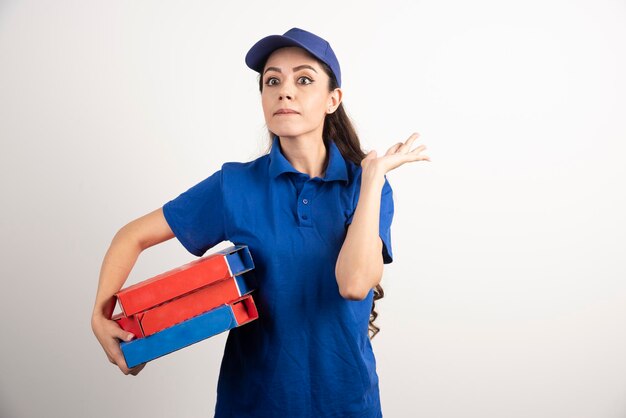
298,68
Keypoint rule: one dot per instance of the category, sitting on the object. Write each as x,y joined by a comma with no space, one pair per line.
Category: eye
269,81
308,80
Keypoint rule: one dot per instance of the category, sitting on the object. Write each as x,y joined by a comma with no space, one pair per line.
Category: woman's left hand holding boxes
119,260
109,334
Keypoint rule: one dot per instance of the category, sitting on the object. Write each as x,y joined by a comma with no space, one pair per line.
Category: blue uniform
308,354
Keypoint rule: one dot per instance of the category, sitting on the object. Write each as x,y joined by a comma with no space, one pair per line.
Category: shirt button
305,217
305,201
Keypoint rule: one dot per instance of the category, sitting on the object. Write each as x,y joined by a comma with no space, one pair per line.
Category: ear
334,100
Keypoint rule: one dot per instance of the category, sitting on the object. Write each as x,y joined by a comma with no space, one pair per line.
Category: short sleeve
197,216
384,223
386,216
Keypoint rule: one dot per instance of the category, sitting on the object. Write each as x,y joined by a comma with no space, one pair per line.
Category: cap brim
258,54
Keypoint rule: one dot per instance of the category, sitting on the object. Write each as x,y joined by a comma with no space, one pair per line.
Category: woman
315,213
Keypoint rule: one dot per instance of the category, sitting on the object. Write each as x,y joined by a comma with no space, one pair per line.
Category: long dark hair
337,125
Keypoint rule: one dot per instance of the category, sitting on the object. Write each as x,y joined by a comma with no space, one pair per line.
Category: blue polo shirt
308,354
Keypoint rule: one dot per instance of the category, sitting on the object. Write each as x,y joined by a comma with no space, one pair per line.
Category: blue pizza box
191,331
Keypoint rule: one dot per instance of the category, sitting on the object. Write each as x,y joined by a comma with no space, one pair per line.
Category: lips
286,112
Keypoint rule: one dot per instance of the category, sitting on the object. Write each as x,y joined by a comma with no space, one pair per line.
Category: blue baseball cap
316,46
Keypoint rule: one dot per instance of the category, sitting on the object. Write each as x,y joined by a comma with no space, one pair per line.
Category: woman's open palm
395,156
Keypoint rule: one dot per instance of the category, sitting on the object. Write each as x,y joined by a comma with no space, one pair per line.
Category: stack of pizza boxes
187,304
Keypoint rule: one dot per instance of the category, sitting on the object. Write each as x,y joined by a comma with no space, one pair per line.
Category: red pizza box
177,310
129,323
244,310
171,284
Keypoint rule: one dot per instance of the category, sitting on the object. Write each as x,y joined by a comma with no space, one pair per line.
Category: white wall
506,297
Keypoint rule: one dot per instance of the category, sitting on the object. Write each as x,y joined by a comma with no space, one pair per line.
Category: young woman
315,213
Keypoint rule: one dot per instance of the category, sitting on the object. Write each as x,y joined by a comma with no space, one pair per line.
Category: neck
306,153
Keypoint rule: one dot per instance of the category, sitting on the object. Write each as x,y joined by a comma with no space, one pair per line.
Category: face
294,82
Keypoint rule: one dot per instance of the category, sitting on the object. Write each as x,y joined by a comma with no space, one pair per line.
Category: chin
285,131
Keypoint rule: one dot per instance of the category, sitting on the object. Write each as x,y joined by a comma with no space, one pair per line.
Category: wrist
104,309
372,177
97,317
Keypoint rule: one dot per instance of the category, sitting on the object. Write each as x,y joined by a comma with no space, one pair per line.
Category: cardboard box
191,331
130,324
144,295
177,310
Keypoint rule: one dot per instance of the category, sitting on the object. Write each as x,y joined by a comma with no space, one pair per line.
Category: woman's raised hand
395,156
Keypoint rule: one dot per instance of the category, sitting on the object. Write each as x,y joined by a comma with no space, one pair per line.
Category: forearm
359,264
116,266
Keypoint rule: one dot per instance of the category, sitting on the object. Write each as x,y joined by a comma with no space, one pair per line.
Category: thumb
371,155
124,335
368,157
121,333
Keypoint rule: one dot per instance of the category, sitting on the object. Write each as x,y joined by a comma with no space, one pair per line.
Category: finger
393,149
135,370
115,354
139,368
418,149
421,158
415,154
407,144
121,363
121,334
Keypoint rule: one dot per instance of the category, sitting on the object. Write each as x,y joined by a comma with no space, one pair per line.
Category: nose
285,91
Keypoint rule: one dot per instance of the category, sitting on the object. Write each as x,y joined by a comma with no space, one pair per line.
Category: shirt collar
336,165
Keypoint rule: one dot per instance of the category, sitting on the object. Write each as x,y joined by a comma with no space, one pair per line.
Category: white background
507,294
